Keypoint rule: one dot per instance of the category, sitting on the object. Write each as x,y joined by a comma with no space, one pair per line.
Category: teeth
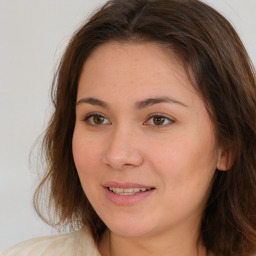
127,191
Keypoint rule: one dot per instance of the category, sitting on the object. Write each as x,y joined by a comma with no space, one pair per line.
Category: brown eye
96,119
158,120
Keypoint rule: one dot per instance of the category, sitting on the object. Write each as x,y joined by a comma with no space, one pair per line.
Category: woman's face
143,143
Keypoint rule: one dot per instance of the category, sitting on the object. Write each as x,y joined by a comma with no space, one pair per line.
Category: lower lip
128,199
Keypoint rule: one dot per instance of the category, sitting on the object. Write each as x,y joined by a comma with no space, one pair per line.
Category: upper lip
116,184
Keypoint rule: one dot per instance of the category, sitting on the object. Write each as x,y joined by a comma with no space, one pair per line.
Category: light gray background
33,34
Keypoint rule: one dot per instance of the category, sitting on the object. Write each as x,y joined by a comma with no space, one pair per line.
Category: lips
127,185
127,193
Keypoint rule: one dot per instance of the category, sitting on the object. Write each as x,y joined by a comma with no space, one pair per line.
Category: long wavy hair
224,77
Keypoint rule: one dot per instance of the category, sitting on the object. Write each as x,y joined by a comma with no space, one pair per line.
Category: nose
122,150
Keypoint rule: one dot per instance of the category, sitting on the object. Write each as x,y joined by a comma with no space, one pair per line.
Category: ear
225,160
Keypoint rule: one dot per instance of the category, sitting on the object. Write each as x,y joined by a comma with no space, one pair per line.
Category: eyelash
159,115
154,115
92,115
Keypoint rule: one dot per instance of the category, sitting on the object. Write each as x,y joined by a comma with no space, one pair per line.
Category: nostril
122,160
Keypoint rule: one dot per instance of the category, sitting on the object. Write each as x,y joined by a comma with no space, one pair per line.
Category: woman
151,148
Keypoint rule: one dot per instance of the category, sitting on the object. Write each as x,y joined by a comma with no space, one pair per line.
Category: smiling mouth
128,191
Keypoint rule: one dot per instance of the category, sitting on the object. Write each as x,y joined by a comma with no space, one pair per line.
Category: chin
130,228
124,232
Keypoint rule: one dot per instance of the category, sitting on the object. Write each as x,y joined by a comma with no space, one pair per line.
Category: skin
176,154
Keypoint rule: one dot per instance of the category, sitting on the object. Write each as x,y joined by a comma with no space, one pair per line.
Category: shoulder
51,245
71,244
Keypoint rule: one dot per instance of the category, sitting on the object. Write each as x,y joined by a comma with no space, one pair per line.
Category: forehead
135,52
147,65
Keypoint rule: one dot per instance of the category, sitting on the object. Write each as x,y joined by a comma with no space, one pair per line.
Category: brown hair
225,79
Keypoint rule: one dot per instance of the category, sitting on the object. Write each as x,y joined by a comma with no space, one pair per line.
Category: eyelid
157,114
91,114
171,119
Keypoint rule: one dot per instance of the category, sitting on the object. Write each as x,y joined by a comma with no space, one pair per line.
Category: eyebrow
93,101
152,101
139,105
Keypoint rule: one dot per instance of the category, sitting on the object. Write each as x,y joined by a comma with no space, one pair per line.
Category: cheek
85,153
86,158
190,158
186,172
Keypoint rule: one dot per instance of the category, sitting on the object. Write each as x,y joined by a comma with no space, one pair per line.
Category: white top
79,243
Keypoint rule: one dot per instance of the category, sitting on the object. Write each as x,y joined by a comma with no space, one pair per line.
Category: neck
177,245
